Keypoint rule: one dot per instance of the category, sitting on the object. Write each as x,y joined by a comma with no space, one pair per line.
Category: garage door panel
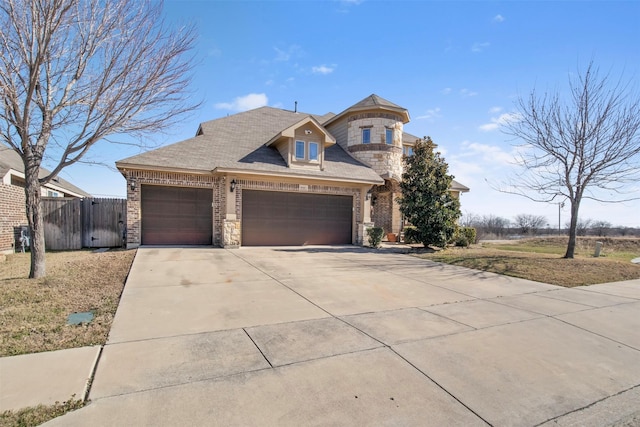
176,215
278,218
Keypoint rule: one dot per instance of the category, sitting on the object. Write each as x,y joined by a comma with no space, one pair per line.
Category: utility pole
560,206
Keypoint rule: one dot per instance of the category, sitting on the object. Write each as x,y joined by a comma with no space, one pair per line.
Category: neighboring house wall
12,214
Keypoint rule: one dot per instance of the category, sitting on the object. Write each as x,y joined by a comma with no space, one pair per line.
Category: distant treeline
493,226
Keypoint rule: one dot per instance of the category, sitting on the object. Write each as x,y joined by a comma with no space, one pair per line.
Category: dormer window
313,151
388,136
300,150
307,151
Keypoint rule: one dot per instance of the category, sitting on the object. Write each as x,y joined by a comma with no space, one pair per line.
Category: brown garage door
176,215
272,218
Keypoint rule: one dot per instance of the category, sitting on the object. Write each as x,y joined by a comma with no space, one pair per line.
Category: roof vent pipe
295,107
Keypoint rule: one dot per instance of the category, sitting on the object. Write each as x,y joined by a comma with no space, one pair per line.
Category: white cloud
432,113
446,91
323,69
479,47
495,110
498,18
496,122
244,103
491,154
284,55
467,93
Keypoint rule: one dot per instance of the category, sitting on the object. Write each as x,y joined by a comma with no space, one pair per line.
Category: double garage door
183,216
271,218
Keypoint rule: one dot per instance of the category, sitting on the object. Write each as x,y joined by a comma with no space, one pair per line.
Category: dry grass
37,415
33,312
541,260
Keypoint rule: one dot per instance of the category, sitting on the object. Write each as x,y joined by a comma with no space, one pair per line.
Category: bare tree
582,226
73,72
529,223
600,227
495,224
585,148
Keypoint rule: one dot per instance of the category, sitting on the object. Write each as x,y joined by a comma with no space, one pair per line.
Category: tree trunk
571,246
36,223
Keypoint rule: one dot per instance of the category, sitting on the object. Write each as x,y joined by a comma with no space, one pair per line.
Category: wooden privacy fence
83,223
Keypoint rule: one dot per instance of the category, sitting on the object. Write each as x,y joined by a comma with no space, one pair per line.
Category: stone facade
385,159
12,214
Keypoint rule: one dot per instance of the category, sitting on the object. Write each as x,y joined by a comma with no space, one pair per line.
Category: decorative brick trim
377,115
375,147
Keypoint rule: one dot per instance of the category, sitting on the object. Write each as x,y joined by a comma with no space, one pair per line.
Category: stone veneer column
133,213
231,234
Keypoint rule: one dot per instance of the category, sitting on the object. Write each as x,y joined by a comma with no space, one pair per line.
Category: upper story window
307,151
388,136
407,150
366,135
300,150
313,151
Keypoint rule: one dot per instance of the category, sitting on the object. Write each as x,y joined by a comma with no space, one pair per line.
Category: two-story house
273,177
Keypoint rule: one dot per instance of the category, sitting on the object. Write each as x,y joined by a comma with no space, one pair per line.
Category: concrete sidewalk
46,378
350,336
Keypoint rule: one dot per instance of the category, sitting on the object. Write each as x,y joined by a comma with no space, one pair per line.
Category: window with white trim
300,150
407,150
313,151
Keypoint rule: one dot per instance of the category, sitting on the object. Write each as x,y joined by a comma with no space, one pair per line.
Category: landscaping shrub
375,236
411,235
464,236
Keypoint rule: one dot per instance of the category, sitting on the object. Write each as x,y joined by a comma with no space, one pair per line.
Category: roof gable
239,142
291,130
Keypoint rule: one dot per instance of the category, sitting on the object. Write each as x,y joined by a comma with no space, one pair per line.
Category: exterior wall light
232,186
132,184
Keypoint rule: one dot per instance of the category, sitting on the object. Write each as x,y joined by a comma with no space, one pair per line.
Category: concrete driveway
351,336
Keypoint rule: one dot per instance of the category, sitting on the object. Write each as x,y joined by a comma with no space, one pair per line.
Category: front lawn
540,259
33,312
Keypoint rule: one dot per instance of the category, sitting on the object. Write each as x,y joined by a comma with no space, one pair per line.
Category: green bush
464,236
375,236
411,235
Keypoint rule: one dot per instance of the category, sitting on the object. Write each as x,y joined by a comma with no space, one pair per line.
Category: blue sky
456,66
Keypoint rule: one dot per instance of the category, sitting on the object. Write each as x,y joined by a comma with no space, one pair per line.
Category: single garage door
271,218
176,215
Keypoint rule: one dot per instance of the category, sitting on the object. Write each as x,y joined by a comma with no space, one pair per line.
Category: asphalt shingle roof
238,142
9,159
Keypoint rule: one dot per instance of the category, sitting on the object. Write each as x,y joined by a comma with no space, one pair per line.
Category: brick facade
12,214
227,226
139,178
